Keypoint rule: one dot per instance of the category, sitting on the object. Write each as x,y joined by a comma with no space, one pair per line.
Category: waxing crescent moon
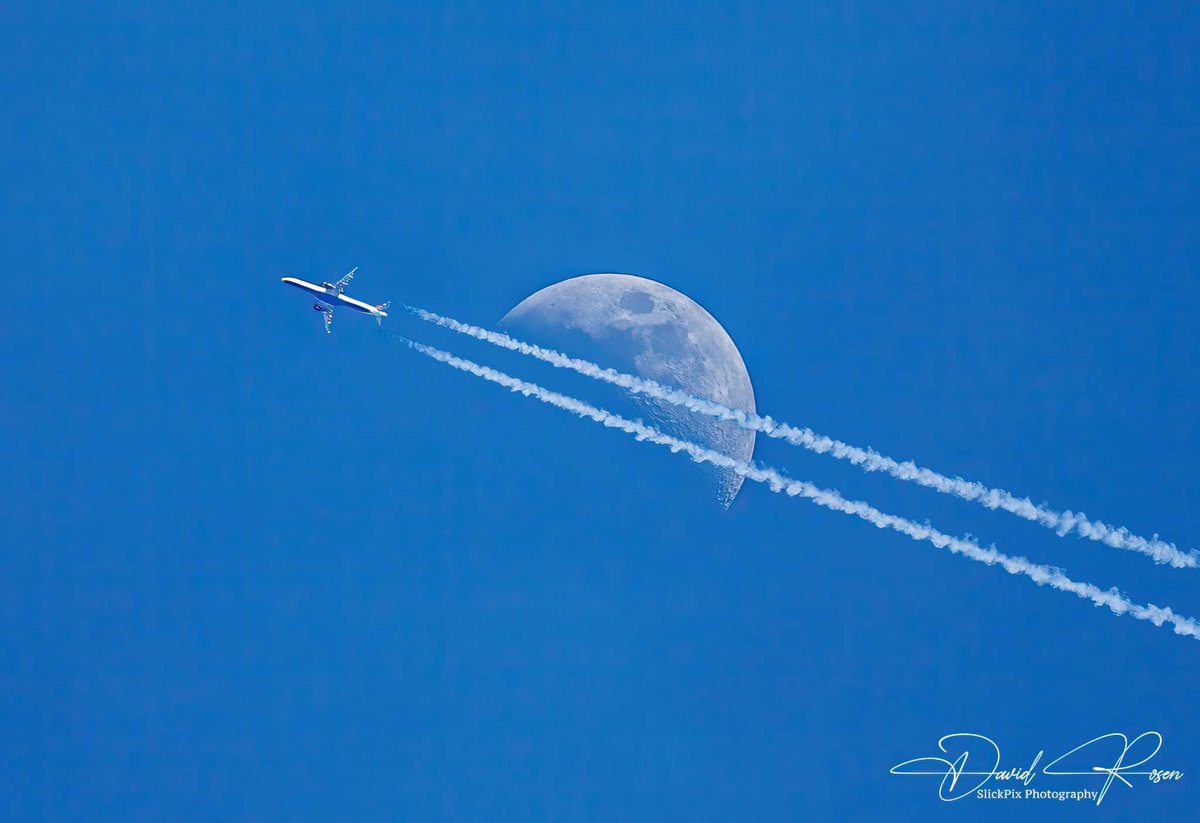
643,327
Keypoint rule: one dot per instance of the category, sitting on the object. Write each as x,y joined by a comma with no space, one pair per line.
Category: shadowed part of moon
642,327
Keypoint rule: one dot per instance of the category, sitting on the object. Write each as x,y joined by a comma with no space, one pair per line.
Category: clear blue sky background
251,571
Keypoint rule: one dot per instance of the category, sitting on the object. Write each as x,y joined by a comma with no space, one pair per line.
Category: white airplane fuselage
331,297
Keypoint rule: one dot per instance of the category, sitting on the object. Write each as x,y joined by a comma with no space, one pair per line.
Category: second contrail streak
866,459
780,483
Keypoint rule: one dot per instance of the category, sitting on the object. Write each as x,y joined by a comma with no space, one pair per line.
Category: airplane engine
318,307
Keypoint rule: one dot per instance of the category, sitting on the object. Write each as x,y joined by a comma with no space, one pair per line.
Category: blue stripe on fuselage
349,303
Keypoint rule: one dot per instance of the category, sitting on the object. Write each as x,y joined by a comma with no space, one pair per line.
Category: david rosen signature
1109,757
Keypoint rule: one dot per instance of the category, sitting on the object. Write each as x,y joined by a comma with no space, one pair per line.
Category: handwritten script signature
1109,757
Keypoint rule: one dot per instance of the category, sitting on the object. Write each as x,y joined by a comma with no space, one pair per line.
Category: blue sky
252,571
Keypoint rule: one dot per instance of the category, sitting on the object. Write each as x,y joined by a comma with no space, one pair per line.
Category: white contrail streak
780,483
866,459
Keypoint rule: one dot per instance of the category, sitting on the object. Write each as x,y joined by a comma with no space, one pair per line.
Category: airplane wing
345,281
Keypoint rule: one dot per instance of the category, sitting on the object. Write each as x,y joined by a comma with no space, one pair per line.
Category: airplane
330,295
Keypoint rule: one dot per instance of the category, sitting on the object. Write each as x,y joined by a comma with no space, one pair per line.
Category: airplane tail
382,307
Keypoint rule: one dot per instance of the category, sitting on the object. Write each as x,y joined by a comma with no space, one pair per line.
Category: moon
643,327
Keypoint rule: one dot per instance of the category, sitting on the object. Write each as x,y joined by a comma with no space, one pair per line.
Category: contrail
867,459
780,483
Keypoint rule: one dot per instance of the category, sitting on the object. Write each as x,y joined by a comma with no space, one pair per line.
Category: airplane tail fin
381,307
